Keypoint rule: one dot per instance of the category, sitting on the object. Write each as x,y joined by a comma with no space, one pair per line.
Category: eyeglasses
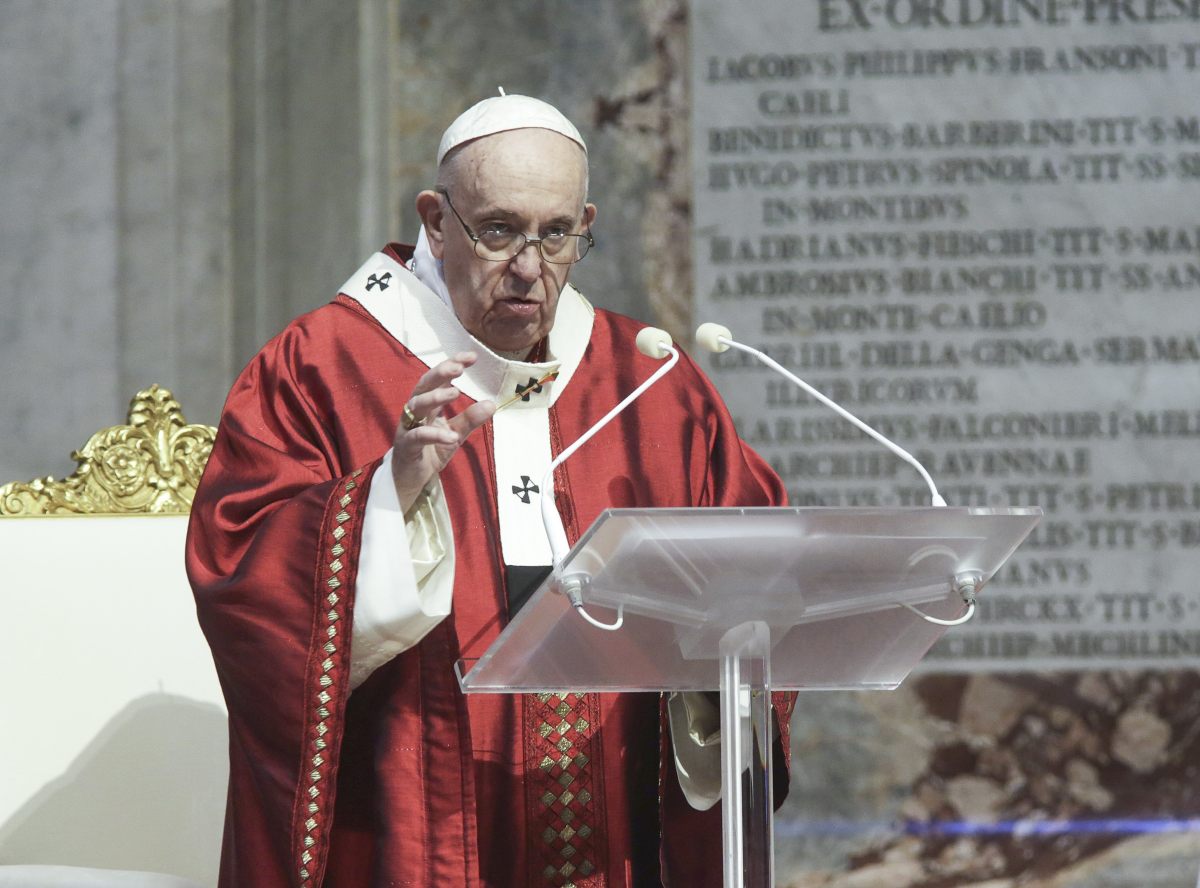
499,243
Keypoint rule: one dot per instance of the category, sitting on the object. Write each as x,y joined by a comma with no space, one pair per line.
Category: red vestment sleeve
272,553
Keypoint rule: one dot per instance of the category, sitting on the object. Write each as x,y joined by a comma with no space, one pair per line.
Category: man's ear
429,208
589,215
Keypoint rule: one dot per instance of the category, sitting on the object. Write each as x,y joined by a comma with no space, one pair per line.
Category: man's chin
511,333
512,341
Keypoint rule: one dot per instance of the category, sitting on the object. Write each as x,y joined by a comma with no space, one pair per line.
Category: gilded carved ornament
151,465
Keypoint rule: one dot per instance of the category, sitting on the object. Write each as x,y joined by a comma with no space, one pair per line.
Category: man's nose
527,264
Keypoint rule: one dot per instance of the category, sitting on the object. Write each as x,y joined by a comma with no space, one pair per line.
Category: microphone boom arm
718,338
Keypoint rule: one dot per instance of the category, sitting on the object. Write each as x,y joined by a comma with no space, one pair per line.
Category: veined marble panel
1066,780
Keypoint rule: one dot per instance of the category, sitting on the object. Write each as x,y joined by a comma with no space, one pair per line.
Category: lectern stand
747,601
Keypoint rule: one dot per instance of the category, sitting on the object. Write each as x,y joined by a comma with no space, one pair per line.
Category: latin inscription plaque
976,225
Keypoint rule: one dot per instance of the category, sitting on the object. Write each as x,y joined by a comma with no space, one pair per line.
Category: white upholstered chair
85,877
115,740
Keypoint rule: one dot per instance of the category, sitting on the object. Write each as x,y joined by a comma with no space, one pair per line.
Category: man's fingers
432,434
421,445
472,418
441,374
411,445
437,377
428,405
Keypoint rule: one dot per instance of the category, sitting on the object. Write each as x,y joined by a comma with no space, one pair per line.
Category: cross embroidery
380,280
528,488
533,387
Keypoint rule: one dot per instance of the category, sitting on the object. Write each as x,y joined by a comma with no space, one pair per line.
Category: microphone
717,339
653,343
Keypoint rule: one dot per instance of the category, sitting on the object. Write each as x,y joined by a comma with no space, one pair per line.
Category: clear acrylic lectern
747,601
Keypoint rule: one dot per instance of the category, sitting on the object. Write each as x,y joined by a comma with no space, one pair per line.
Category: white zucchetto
501,113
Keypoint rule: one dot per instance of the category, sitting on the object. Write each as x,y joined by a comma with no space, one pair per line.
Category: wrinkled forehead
528,160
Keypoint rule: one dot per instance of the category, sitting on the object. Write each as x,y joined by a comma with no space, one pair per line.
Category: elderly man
368,517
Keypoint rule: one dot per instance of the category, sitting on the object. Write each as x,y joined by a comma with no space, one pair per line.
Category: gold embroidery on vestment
324,697
563,810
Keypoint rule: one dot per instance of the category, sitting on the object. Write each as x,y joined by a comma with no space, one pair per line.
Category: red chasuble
406,781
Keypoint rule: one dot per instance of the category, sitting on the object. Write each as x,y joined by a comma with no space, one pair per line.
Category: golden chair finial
153,464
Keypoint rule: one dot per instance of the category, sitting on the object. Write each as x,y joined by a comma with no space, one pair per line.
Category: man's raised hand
425,439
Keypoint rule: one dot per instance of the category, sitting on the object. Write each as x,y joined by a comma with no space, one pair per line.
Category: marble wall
1082,780
616,69
58,258
182,178
312,172
114,246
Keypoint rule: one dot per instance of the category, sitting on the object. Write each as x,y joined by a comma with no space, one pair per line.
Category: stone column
313,173
181,178
115,268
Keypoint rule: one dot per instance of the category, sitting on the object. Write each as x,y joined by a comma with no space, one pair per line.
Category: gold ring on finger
410,419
